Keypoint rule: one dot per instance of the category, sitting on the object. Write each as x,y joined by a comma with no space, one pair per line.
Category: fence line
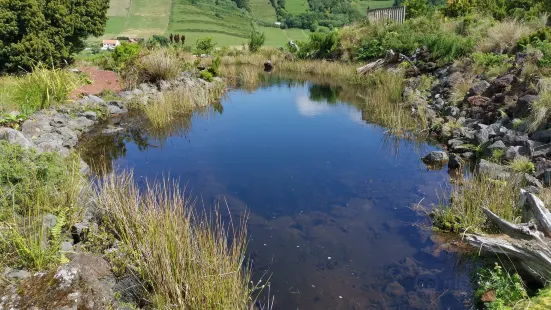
397,14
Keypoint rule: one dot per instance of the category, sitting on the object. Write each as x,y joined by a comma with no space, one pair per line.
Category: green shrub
490,59
204,46
508,288
125,53
319,46
214,68
446,46
543,48
206,75
543,34
415,8
522,164
256,40
370,49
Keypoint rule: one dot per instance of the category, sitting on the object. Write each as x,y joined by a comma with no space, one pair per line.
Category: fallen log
528,243
391,58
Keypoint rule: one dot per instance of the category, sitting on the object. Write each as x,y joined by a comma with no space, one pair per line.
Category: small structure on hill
397,14
110,44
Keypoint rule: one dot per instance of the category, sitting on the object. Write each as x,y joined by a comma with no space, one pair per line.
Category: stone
36,126
478,88
395,289
95,99
453,143
513,152
500,84
543,136
523,106
498,145
451,111
482,136
15,137
435,157
59,120
268,66
512,137
17,274
455,162
91,115
66,247
79,231
530,180
468,156
80,124
478,101
49,220
68,137
542,151
84,283
493,171
541,164
116,108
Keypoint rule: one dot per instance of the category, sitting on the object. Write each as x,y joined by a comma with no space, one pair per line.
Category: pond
333,200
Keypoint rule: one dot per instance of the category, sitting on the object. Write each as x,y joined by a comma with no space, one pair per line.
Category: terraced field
219,19
263,10
296,6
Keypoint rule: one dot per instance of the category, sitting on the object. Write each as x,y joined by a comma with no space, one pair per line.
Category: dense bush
415,8
543,34
47,31
319,46
206,75
204,46
124,53
444,45
256,41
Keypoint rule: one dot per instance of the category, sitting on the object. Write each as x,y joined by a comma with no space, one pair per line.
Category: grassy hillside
372,4
224,22
263,10
296,6
220,19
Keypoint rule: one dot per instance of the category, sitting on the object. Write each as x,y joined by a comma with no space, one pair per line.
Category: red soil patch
101,80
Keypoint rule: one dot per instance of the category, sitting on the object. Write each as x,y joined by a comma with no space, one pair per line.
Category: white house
110,44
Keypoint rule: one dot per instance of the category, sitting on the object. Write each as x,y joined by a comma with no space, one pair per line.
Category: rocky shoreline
489,117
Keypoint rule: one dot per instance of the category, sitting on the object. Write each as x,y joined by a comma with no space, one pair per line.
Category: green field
296,6
263,10
219,19
363,5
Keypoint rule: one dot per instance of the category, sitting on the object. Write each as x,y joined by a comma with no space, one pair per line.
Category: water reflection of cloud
355,115
309,108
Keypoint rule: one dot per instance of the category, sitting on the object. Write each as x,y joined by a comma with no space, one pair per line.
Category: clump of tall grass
541,109
43,88
463,210
7,87
244,76
384,105
32,185
169,105
503,37
522,164
187,259
159,64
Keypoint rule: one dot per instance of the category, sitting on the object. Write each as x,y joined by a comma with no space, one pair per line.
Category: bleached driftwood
391,58
528,243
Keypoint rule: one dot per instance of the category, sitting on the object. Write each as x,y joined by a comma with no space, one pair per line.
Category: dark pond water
331,196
